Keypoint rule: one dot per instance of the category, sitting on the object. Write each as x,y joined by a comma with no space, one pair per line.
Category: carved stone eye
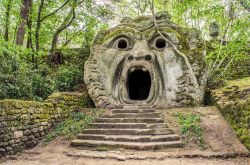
160,43
122,44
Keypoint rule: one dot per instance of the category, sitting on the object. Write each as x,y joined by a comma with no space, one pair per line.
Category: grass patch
241,83
191,129
74,124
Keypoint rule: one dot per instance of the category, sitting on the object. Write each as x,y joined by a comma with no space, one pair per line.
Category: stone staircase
131,127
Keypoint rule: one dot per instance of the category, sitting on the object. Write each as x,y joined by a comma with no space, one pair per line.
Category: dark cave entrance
138,85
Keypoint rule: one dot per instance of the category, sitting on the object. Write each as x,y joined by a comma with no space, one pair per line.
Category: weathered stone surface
18,134
128,145
129,132
132,64
130,138
23,123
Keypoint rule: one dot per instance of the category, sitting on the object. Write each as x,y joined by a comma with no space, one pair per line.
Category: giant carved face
132,64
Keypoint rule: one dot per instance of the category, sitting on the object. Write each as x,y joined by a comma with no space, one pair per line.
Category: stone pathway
58,152
132,127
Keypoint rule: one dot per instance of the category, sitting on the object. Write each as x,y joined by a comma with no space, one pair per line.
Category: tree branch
55,11
66,23
191,72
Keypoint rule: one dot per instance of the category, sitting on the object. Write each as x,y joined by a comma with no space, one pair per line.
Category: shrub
18,78
67,77
14,82
42,86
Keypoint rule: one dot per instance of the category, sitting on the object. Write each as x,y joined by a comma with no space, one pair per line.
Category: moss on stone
233,100
35,119
115,33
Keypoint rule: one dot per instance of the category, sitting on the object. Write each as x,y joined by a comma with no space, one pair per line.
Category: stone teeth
144,69
132,69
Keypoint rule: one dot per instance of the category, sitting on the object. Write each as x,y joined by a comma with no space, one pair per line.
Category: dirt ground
218,135
223,148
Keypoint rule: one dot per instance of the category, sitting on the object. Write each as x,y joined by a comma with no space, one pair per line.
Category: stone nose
141,51
147,57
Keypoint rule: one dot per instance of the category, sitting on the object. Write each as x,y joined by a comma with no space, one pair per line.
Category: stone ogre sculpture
132,64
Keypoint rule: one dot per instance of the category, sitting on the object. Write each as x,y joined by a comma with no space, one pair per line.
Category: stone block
31,137
24,138
18,134
8,149
27,132
3,144
2,151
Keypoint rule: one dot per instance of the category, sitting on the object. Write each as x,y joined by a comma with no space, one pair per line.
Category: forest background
44,43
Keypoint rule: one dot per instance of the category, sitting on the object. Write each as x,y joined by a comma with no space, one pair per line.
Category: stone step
162,131
127,145
132,115
132,111
129,138
129,120
130,107
128,125
145,107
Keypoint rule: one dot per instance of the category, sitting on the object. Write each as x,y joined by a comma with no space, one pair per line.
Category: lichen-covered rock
233,100
132,64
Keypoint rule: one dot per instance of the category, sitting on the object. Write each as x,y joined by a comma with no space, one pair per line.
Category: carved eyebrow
166,31
170,36
111,41
125,32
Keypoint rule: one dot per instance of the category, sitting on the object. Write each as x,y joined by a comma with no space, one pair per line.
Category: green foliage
42,84
190,127
14,79
67,77
20,79
69,128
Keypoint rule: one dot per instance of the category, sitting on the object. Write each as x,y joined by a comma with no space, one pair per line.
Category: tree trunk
40,20
24,13
38,25
29,24
65,24
7,21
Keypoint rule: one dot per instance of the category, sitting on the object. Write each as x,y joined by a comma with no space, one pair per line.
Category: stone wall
233,100
24,123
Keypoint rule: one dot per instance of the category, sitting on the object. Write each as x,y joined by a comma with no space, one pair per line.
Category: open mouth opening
138,84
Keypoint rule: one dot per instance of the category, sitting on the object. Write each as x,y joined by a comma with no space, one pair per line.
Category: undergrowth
74,124
191,129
